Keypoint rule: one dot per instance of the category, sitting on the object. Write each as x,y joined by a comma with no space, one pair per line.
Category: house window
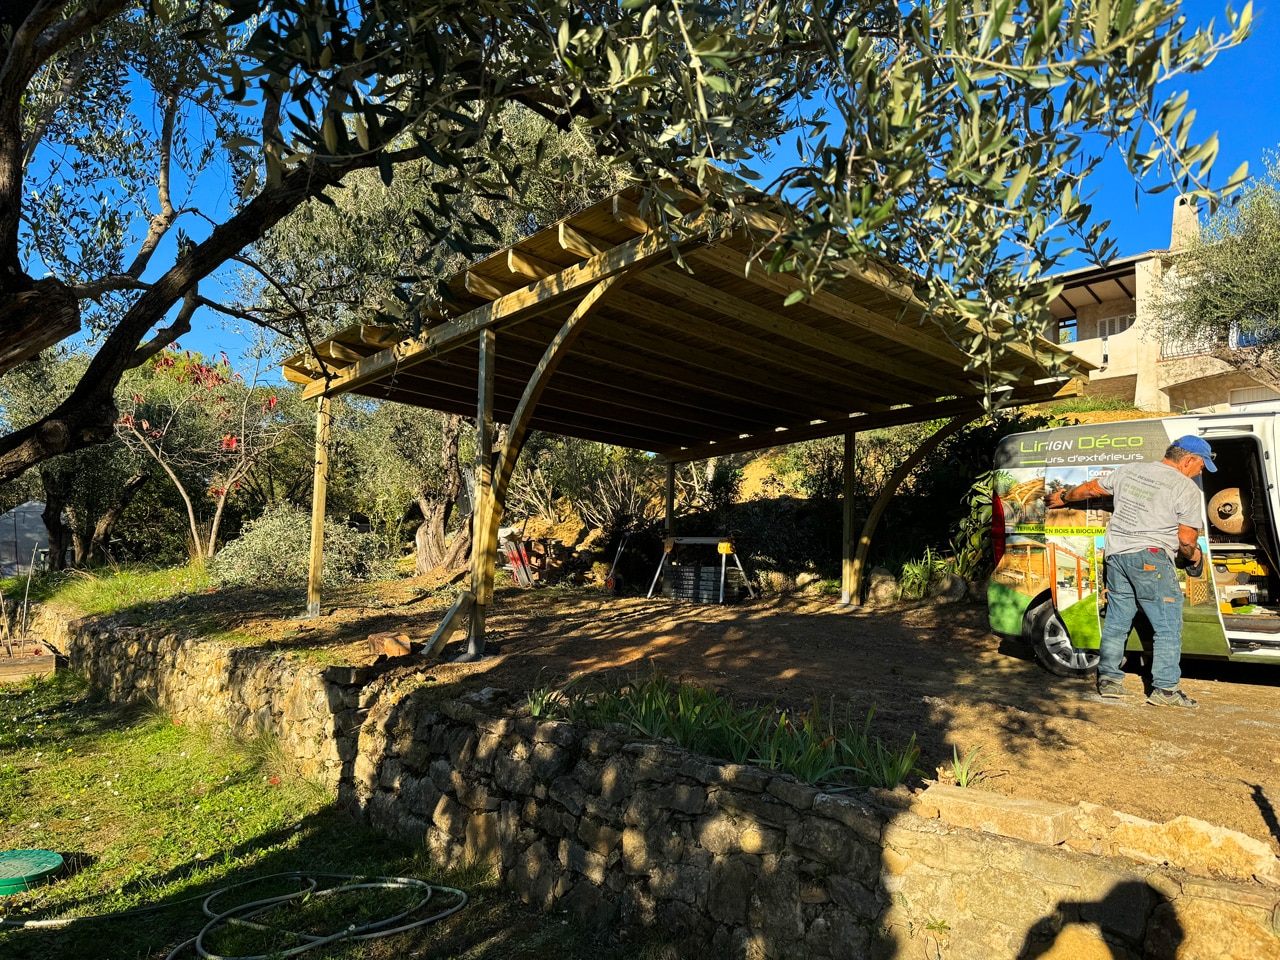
1110,326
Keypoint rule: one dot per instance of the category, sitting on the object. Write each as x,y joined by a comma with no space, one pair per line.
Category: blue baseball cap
1200,447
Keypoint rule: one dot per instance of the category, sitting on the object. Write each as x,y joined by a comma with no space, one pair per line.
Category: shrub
274,550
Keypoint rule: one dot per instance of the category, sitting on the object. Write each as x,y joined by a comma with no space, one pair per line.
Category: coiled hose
244,914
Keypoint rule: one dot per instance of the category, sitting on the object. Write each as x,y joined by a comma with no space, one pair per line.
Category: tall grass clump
815,745
108,590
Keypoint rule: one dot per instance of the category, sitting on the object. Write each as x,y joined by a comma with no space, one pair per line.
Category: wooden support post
319,486
847,593
669,524
484,534
890,488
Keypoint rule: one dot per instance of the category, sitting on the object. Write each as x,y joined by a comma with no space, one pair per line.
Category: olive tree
959,138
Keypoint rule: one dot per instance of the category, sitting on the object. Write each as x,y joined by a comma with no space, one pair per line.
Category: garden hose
243,914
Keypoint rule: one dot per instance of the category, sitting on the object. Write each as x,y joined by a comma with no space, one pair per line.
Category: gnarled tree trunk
429,545
57,485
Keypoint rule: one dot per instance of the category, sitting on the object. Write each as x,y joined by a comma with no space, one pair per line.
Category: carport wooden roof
595,328
686,363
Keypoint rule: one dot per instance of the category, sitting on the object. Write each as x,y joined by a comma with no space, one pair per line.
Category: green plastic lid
23,869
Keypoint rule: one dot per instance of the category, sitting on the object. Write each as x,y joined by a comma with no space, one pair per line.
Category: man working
1156,515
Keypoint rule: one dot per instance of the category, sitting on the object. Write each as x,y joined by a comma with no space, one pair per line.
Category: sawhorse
724,547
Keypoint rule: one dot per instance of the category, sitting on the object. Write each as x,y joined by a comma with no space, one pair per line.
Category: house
1106,315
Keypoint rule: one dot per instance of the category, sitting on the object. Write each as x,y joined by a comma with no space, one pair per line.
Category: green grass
1088,405
148,813
109,590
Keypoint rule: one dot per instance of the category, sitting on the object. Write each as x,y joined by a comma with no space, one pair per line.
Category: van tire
1053,650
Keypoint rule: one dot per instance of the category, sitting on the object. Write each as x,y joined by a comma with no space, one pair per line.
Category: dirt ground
932,670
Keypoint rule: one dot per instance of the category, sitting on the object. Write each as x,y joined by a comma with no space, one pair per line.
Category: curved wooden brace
886,494
491,503
538,380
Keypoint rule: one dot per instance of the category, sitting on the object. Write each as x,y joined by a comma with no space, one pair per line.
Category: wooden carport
670,340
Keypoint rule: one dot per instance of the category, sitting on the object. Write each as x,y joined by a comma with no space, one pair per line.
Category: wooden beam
582,244
755,383
334,350
915,413
641,435
295,376
628,214
319,486
527,265
743,311
574,397
512,307
886,494
818,373
682,377
484,548
930,341
669,500
456,619
847,576
538,381
487,287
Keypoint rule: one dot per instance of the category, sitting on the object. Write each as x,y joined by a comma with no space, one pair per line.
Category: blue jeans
1149,581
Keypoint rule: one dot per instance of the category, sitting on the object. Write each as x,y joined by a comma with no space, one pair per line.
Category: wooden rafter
881,365
511,307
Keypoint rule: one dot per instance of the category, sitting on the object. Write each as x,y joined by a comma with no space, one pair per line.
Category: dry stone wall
724,860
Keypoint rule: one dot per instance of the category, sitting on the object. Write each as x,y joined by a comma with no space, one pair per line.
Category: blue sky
1238,96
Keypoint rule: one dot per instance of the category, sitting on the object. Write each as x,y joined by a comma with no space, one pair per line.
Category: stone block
548,761
558,732
578,859
1038,821
450,817
792,792
762,808
680,797
738,776
853,896
1196,929
513,774
720,834
587,902
598,837
852,812
1197,847
568,793
635,852
481,841
677,882
730,886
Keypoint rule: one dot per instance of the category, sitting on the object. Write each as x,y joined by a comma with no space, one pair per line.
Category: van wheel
1053,649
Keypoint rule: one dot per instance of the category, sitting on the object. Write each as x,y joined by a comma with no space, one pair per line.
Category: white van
1048,584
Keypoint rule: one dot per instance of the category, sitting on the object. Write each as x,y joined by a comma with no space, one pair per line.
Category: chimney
1186,223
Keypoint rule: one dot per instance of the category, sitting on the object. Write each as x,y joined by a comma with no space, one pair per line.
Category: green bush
274,550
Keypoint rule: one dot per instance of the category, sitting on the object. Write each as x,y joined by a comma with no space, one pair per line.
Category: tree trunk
458,556
106,524
428,540
56,482
429,545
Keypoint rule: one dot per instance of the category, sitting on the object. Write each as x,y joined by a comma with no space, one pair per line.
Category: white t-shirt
1151,500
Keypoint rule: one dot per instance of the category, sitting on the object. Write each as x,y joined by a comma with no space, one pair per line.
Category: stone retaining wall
725,860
